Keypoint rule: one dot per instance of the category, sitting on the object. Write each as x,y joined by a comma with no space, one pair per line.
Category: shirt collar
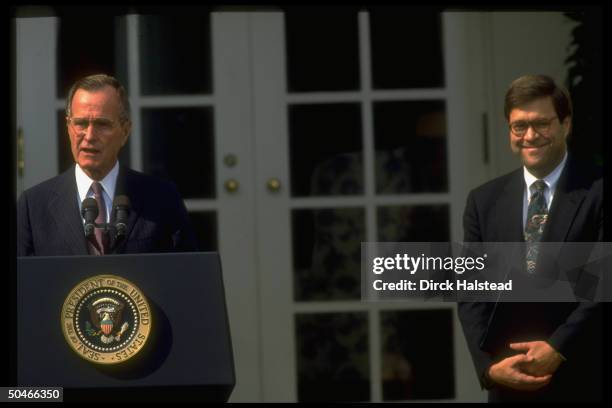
551,179
84,182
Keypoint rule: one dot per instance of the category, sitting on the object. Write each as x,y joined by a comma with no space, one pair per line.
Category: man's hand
545,361
508,373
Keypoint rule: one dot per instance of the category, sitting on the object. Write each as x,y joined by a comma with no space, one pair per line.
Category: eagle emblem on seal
106,320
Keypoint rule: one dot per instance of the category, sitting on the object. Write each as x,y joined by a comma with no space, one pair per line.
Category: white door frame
35,97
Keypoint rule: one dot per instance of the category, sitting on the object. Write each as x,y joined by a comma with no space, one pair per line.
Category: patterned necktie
101,236
537,213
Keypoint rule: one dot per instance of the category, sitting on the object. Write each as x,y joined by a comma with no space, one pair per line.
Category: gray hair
95,83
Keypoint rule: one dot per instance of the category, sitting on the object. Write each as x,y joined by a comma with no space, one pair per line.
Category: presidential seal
106,319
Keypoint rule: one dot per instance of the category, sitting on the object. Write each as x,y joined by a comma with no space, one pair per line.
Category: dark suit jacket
49,222
494,213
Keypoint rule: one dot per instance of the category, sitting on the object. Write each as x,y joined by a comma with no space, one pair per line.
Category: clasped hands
530,370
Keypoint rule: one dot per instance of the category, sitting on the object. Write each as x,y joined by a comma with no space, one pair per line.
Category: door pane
90,41
416,223
406,48
327,253
417,354
325,149
175,54
332,357
322,49
410,143
178,144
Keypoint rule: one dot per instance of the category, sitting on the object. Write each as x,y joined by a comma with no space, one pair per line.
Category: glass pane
410,143
205,224
64,152
175,53
178,144
327,253
90,41
322,49
325,149
417,354
406,48
417,223
332,357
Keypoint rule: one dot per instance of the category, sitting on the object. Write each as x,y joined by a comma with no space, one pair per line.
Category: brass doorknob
231,185
274,185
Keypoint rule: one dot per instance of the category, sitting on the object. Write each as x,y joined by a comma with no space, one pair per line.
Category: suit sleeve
474,316
582,320
25,245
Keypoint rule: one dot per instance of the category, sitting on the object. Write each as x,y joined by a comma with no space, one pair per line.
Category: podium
187,356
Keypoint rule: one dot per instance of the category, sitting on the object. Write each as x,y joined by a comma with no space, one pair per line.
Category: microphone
121,205
89,211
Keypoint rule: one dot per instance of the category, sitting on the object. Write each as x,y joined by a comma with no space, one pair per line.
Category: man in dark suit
49,220
537,351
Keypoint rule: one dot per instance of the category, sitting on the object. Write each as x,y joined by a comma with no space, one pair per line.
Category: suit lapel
64,209
509,212
568,196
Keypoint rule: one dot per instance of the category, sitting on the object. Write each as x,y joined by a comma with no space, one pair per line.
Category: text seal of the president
106,319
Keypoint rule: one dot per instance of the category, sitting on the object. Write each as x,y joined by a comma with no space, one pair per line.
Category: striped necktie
101,235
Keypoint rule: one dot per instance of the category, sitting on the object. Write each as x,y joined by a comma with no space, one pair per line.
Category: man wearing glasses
49,215
549,351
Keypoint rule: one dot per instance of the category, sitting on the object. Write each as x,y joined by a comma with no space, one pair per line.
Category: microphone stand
110,229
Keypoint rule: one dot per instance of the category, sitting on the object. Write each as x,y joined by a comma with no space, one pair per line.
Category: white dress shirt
551,182
108,187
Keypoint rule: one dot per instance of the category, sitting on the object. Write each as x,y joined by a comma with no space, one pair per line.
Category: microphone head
89,211
89,204
121,206
121,201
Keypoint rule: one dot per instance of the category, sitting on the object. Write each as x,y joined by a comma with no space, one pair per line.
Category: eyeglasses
541,126
102,125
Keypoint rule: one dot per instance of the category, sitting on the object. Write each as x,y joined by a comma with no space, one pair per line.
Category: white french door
319,341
